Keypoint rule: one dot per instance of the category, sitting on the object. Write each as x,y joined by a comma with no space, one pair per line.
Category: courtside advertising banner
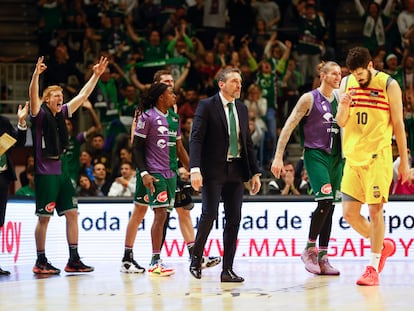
268,230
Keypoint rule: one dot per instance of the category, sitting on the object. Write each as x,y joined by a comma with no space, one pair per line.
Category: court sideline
269,285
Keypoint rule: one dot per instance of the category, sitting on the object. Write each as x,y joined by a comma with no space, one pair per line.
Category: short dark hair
358,57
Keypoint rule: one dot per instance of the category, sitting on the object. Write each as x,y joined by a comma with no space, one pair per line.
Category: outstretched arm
98,70
35,101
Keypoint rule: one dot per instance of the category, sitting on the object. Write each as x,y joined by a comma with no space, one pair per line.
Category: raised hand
22,112
100,67
40,66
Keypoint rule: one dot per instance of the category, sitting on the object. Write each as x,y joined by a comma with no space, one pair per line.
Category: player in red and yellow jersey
370,112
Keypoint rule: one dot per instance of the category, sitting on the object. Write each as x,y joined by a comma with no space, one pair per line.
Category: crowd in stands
276,44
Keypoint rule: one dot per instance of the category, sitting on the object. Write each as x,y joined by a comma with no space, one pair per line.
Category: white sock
375,259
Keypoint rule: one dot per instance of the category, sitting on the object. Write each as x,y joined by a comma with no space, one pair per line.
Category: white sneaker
131,267
209,261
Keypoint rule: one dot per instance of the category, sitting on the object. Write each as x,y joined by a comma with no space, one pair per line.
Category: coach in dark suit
222,157
7,172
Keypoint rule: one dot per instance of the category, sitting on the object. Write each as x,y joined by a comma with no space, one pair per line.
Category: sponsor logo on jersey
50,207
162,197
140,124
326,189
374,93
146,198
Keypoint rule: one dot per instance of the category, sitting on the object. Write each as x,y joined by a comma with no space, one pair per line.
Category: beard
365,84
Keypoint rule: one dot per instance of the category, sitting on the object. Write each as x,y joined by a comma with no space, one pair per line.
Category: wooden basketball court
269,285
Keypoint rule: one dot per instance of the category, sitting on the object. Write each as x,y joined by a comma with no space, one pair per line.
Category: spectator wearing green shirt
28,190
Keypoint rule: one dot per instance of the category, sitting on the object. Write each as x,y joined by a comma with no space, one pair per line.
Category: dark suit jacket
7,127
209,141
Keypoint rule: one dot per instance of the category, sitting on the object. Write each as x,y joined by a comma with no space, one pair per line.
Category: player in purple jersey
129,265
315,113
156,146
54,189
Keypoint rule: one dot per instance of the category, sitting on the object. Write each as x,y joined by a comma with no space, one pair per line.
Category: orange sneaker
369,278
387,250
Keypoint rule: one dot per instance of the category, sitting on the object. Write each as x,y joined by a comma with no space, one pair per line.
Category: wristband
22,126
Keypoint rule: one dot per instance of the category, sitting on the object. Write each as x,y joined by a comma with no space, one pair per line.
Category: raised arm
135,81
179,82
98,70
35,101
95,119
360,9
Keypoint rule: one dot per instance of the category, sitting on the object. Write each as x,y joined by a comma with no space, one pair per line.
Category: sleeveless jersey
319,130
44,165
160,132
368,129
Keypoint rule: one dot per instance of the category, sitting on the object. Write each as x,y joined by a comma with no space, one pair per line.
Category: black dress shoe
228,275
4,272
195,267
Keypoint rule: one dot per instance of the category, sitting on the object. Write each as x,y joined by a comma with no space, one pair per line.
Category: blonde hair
323,66
47,91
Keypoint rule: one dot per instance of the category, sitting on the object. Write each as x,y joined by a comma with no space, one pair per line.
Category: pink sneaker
326,268
310,259
387,250
369,278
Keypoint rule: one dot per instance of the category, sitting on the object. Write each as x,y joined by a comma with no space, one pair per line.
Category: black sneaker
4,272
45,268
77,266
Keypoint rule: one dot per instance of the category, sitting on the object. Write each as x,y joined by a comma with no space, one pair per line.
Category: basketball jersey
318,129
160,132
368,129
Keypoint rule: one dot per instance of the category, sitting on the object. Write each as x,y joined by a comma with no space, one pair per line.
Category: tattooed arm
302,107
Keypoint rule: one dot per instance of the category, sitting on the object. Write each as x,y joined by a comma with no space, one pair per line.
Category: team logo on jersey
163,130
376,192
162,197
326,189
374,93
161,143
328,116
50,207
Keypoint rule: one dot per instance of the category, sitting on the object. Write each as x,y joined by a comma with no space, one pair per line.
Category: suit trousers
229,188
4,192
